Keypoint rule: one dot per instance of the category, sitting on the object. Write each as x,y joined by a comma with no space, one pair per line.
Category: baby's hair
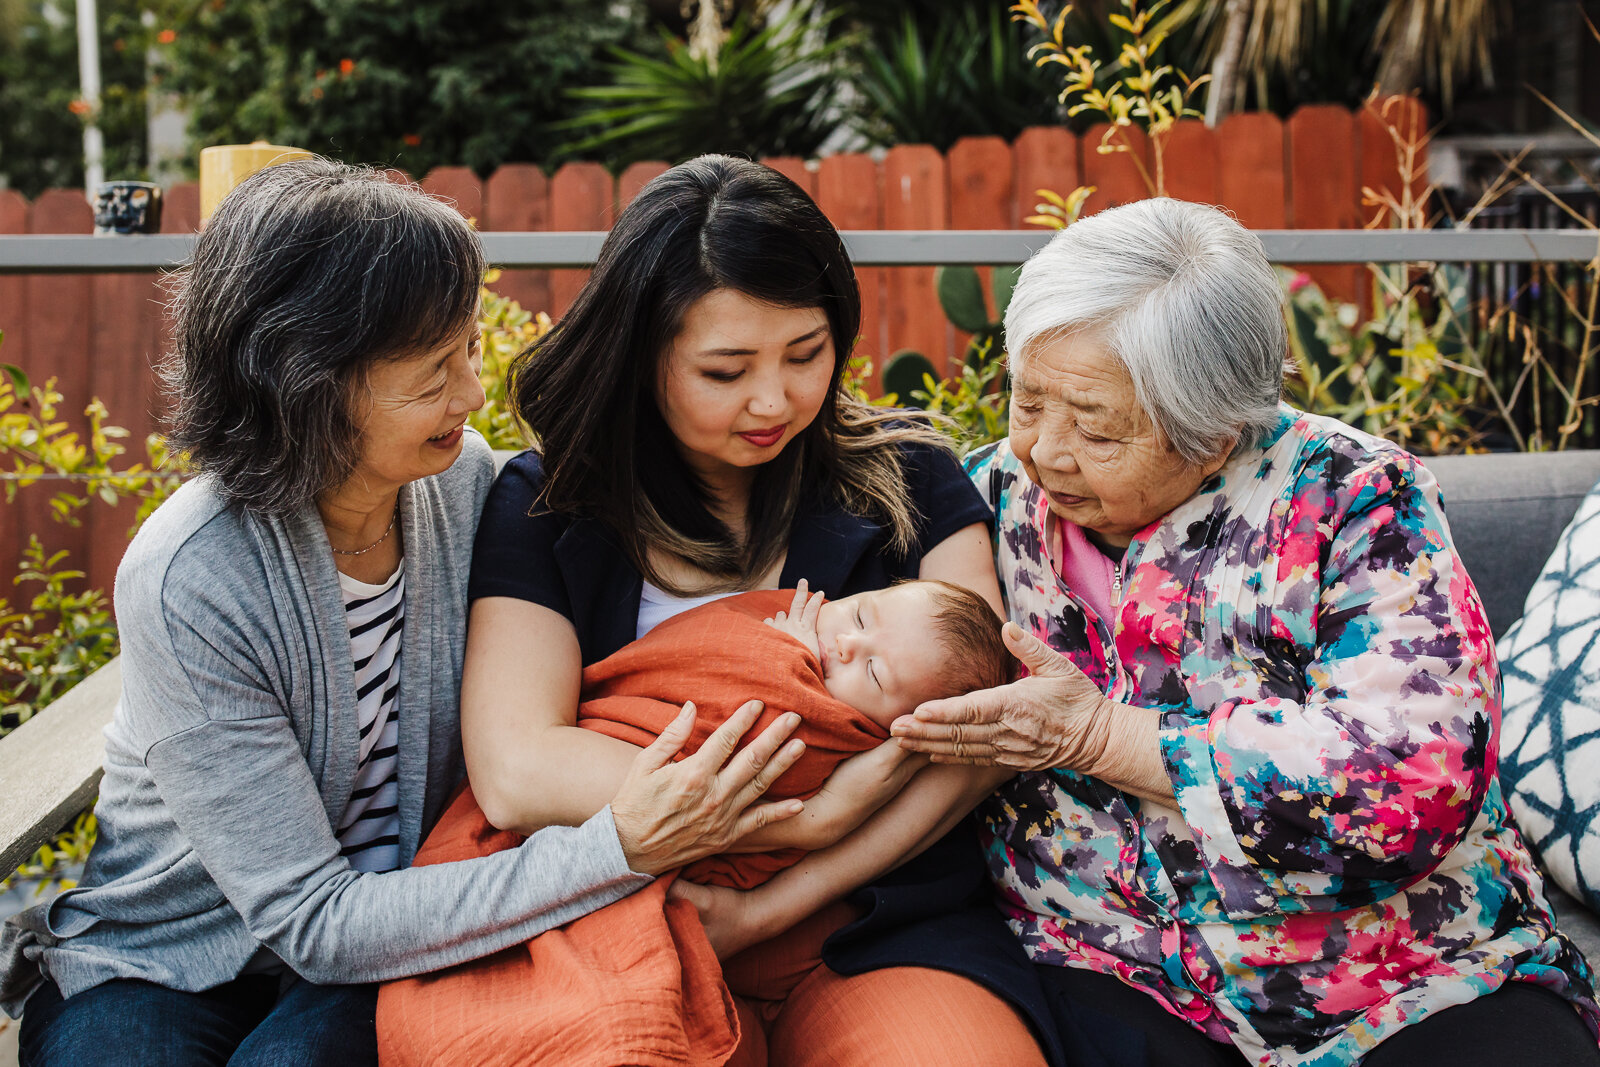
966,626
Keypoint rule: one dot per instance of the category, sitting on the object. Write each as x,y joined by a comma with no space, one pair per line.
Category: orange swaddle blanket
635,982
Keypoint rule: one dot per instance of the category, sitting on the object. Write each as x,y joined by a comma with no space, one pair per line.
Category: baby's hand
800,621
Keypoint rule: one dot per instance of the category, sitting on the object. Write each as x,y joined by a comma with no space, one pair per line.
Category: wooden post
914,198
581,198
518,197
981,198
847,192
1325,188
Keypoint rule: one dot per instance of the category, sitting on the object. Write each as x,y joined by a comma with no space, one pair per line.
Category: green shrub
963,74
418,85
766,90
507,330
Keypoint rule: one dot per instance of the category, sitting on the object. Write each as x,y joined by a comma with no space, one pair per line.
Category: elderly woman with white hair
1258,819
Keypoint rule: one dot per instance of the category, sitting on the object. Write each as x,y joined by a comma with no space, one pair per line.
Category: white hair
1183,296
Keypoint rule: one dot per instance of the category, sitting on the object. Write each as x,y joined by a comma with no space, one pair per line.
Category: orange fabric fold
637,981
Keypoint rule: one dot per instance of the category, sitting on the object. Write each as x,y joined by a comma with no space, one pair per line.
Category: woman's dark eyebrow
803,338
750,351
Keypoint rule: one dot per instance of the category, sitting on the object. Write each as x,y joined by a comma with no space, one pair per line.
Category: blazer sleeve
514,553
944,494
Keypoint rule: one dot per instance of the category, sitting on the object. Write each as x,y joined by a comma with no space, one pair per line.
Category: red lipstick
765,438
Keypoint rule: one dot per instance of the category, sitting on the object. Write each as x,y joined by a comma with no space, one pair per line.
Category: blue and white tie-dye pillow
1550,733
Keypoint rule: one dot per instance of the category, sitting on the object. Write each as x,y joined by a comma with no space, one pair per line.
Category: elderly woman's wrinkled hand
1056,717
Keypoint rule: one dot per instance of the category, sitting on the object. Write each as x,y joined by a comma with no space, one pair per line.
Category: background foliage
41,117
415,84
769,88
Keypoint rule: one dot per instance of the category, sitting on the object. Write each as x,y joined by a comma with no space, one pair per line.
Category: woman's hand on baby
800,621
668,814
1055,717
734,920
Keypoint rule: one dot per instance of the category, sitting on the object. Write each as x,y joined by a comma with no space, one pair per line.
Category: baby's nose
847,648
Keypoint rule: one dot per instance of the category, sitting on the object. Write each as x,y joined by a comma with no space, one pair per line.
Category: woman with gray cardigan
292,626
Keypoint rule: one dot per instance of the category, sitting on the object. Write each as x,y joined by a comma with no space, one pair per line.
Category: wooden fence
98,334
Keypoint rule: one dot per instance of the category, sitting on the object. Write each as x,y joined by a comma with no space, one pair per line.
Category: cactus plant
962,298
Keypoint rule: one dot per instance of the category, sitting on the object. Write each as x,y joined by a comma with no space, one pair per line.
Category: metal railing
79,254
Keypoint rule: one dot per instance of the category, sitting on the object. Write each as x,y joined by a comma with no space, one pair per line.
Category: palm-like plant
768,90
965,75
1286,52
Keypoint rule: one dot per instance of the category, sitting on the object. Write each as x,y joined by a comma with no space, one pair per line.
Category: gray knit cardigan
233,751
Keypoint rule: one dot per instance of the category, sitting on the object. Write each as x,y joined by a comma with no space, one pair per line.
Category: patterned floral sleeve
1333,748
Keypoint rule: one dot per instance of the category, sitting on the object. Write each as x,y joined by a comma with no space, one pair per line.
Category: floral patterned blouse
1339,863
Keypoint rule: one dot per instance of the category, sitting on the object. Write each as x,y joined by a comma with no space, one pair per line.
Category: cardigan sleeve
1368,752
232,776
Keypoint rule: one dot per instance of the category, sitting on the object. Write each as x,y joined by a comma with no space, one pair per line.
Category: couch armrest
50,765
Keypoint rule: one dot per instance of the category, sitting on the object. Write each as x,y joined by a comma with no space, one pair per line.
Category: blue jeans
242,1023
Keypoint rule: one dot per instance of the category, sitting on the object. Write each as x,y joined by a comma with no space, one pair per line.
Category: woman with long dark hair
292,638
696,440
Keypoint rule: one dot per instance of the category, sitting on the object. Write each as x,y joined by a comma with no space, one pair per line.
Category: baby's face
879,651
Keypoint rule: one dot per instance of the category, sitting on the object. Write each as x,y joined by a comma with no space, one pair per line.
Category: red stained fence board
982,196
1043,157
581,198
14,216
460,187
55,317
518,196
1324,177
795,169
1393,133
1253,175
847,192
915,198
180,208
1115,174
1190,163
126,337
636,177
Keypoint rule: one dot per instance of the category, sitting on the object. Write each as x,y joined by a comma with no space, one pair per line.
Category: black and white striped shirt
369,831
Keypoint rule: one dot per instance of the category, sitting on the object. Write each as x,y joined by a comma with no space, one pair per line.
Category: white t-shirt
657,606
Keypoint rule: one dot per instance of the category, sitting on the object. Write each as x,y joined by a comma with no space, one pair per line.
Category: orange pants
795,1012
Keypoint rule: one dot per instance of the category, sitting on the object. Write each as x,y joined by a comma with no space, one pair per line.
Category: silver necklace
381,539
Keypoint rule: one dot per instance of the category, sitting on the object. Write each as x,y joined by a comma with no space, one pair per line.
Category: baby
849,667
886,651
